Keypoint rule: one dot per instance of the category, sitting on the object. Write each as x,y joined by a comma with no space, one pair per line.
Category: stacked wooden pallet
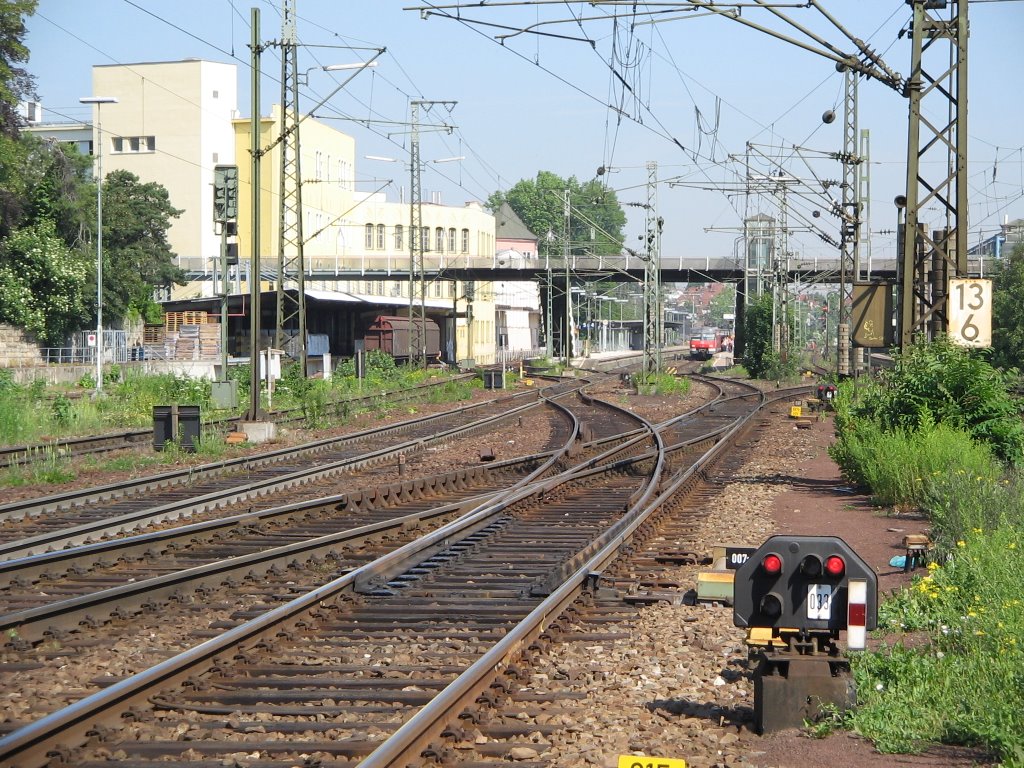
187,346
174,320
209,341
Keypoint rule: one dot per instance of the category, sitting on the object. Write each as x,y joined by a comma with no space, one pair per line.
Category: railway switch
794,595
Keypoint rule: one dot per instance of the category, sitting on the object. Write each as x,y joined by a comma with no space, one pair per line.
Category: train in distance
704,342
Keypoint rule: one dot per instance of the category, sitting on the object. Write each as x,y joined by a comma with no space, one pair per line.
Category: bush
940,383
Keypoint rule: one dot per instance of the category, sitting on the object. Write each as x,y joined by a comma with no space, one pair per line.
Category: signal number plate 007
819,601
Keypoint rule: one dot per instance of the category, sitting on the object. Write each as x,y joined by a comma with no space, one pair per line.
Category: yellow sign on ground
795,411
638,761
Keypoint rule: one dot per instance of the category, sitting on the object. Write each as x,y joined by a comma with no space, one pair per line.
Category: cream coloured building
173,122
355,239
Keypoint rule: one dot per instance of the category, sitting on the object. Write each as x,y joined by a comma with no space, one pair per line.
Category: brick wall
17,348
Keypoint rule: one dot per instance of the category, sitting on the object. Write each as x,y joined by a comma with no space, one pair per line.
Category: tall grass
906,468
27,413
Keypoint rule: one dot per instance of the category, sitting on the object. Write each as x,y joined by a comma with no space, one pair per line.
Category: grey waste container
494,379
162,430
188,427
176,423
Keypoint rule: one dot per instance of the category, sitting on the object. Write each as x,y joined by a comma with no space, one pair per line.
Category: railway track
40,525
355,658
70,447
48,595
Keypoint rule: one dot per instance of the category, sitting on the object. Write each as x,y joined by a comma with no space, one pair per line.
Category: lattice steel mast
290,258
849,221
930,258
417,279
653,322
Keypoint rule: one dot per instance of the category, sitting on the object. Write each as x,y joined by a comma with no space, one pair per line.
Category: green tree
724,303
596,220
759,358
16,85
1007,320
42,282
136,255
59,189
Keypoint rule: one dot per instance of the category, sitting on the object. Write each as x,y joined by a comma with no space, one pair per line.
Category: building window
425,238
452,242
439,240
216,94
465,241
399,231
369,237
380,237
132,144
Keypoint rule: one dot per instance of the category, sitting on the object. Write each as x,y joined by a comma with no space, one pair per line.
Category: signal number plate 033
819,601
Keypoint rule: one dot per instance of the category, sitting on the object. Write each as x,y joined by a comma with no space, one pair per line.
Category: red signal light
772,565
835,566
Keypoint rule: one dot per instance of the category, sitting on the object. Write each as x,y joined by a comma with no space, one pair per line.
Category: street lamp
99,101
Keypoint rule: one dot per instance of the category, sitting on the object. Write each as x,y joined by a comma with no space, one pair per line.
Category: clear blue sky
541,103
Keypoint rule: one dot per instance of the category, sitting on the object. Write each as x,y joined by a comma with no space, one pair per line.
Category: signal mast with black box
795,595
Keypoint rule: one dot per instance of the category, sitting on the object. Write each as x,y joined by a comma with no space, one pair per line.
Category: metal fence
506,356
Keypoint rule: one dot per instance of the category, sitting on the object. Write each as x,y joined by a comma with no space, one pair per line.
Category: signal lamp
811,566
771,606
835,566
772,564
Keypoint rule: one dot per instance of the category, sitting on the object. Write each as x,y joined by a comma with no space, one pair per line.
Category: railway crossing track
572,508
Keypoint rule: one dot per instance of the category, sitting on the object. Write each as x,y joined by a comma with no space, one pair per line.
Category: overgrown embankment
941,433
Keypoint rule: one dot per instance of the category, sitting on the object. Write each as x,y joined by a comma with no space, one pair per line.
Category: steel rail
27,746
406,743
181,508
34,624
119,489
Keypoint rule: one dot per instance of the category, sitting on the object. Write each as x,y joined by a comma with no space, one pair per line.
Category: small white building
517,302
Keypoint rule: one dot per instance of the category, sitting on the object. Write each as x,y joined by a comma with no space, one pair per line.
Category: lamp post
99,101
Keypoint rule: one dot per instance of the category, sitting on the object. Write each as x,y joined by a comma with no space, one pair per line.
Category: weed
47,465
61,409
128,463
830,720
